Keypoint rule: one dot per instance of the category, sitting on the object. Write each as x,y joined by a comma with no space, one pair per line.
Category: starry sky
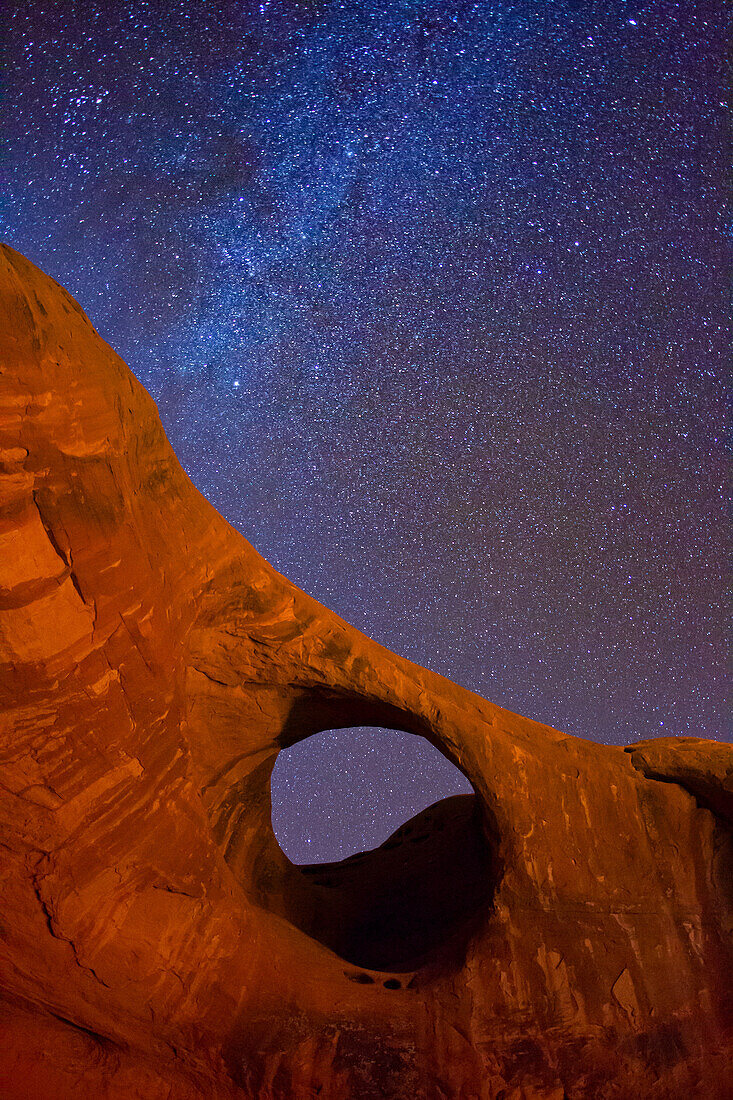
431,298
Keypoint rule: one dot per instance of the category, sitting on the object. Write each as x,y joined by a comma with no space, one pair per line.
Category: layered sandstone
564,933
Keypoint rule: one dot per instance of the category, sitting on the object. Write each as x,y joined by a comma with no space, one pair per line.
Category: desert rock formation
566,932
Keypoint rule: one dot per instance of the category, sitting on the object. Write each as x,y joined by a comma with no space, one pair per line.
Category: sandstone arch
151,665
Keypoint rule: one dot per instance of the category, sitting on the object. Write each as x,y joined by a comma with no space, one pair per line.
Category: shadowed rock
403,904
565,932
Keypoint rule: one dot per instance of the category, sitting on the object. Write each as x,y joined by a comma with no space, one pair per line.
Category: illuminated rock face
564,933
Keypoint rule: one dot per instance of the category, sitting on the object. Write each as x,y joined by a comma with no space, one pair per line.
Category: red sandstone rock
565,933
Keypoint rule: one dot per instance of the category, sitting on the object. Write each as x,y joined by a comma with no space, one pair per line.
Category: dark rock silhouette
564,933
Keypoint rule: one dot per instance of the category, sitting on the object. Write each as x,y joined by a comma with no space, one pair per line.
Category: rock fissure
52,924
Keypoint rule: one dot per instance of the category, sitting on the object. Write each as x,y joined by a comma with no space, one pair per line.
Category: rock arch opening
412,871
345,791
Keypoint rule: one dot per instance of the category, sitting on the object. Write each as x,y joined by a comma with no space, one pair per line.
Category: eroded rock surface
154,940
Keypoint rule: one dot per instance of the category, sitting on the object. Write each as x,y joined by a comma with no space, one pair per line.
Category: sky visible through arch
430,296
368,781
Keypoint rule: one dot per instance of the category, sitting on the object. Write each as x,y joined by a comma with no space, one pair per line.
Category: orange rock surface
564,933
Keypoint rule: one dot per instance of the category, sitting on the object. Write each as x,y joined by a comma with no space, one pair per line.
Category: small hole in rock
392,983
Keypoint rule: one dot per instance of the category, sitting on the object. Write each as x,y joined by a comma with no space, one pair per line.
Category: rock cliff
566,932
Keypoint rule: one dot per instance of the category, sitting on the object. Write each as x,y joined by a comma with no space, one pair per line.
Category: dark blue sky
431,297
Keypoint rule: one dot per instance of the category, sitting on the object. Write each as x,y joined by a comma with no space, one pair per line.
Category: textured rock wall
565,933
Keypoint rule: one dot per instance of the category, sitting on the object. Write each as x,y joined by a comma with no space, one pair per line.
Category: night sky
431,298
